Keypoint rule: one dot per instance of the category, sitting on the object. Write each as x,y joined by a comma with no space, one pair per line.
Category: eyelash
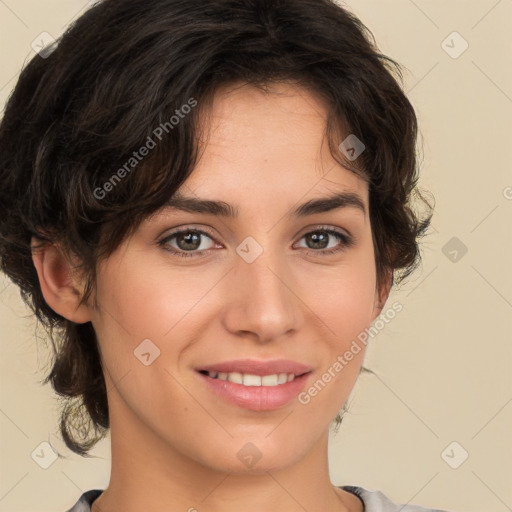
346,240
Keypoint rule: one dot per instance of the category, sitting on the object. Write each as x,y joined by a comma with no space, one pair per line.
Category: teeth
248,379
272,380
235,377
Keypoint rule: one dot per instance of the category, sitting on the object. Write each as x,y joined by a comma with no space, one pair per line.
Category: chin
255,454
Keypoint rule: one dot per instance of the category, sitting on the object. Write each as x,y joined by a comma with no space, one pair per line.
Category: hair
117,78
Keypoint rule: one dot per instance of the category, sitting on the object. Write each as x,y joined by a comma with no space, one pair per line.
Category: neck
150,474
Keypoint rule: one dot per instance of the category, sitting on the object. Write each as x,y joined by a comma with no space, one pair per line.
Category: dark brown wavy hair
124,68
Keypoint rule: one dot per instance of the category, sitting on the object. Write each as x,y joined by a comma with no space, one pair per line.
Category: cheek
143,300
343,296
151,309
146,309
343,306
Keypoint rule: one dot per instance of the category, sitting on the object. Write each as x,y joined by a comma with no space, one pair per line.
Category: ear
58,284
382,294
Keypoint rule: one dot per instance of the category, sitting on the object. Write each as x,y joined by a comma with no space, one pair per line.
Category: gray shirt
373,501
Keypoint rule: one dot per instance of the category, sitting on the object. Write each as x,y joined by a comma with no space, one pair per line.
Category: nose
262,300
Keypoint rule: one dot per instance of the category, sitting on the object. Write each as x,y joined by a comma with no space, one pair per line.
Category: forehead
268,142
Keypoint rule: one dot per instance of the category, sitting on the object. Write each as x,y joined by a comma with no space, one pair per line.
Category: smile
249,379
255,385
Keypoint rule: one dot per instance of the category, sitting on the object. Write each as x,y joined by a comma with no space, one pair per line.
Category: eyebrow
311,207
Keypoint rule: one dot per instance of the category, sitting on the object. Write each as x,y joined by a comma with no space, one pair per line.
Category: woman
210,203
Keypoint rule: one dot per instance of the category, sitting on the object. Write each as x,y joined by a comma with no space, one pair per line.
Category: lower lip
256,398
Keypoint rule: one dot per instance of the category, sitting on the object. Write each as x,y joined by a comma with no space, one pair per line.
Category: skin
175,443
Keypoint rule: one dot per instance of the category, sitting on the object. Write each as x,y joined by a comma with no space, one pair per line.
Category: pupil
318,237
189,240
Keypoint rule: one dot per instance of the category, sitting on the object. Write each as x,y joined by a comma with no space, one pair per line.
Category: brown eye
318,241
188,241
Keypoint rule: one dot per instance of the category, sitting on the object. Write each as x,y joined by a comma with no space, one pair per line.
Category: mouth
256,385
250,379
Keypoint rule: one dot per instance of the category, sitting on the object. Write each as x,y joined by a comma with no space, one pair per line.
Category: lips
256,367
258,385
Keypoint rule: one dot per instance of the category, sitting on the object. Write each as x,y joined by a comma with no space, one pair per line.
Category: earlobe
57,283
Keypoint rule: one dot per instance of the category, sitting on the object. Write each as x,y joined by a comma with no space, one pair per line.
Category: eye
188,241
321,237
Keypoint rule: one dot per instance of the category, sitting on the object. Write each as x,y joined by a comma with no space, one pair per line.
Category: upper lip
257,367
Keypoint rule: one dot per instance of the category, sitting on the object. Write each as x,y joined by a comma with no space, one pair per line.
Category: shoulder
85,501
376,501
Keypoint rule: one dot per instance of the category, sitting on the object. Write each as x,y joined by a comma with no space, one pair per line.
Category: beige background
443,364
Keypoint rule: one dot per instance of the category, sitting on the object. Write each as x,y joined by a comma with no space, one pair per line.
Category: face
249,297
